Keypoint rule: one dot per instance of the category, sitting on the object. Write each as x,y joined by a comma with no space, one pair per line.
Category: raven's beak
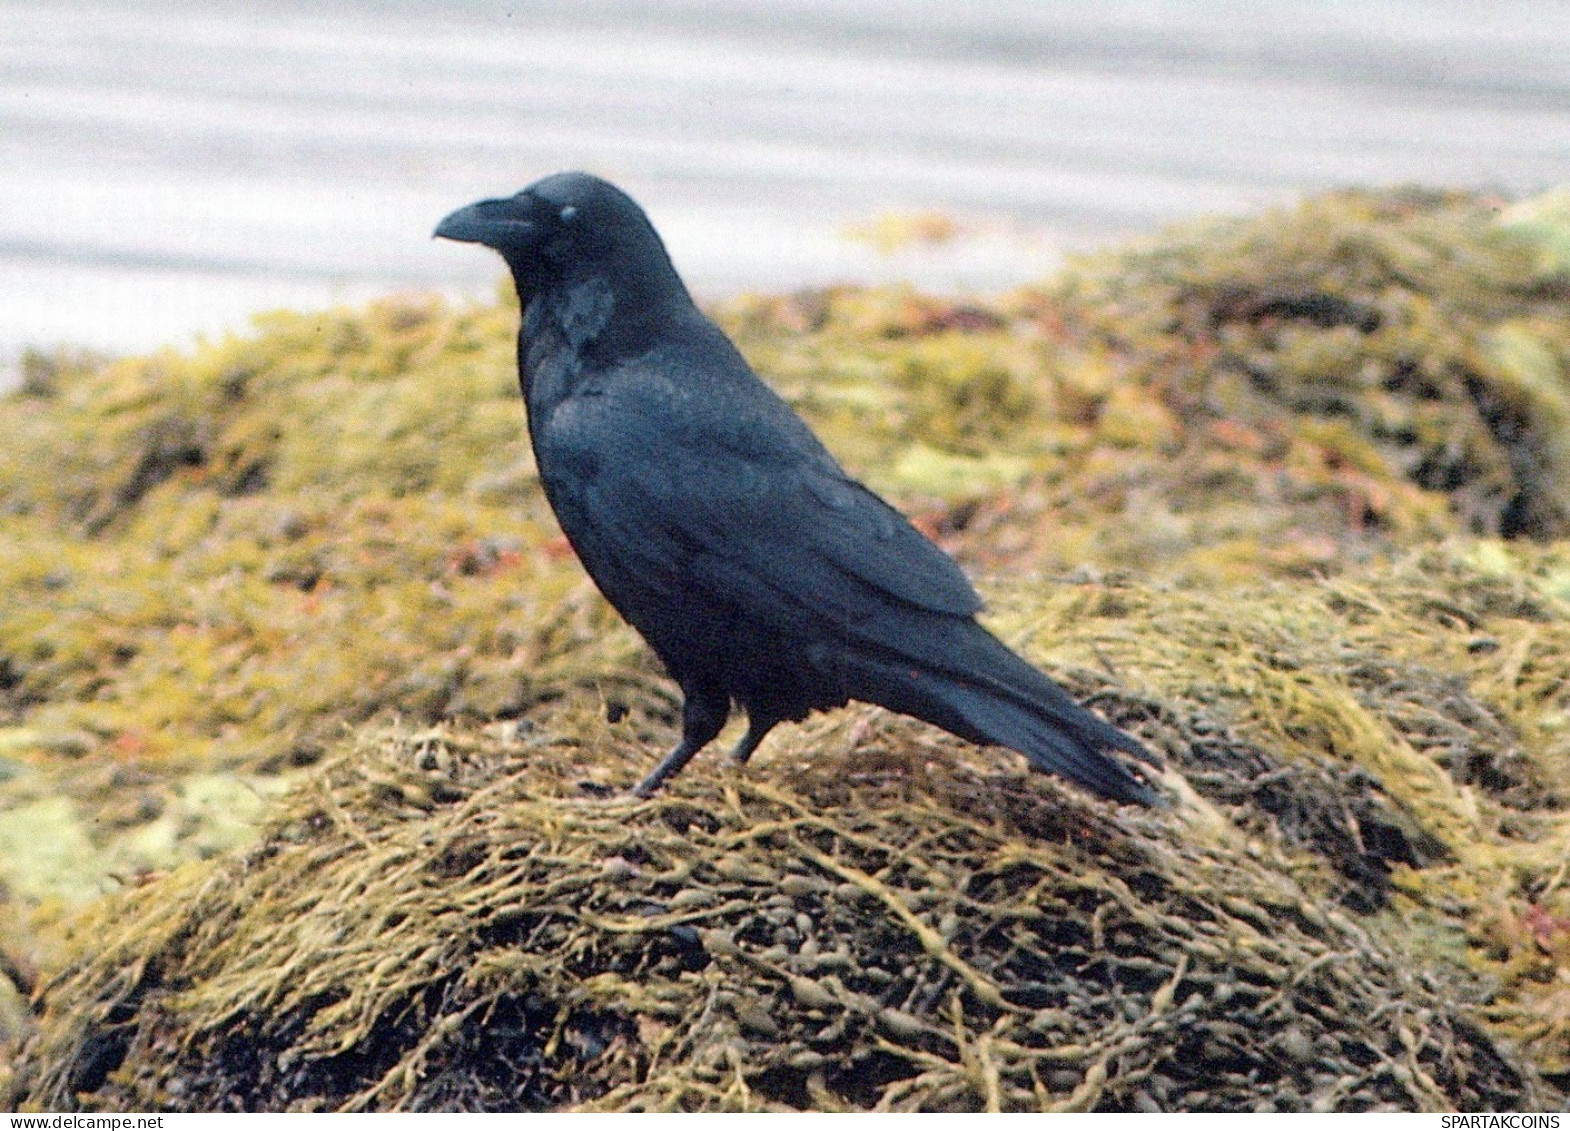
494,223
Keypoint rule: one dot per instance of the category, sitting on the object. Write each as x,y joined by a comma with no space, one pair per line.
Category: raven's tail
969,683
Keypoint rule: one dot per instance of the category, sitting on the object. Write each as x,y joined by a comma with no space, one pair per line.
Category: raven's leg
757,727
702,717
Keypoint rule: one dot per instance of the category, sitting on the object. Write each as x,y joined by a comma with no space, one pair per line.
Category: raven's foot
757,729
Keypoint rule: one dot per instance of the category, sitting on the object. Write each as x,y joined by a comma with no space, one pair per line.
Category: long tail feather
974,687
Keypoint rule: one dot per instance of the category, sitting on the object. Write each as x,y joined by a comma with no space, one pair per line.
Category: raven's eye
568,213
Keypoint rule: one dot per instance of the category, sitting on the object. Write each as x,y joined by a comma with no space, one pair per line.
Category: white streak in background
171,167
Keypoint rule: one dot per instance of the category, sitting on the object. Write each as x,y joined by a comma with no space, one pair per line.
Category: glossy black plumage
712,518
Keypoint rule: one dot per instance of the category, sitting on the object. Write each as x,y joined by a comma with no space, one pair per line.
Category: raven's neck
593,322
610,308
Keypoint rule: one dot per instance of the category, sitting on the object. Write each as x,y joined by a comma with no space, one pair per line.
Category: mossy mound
445,921
1358,906
1404,330
333,518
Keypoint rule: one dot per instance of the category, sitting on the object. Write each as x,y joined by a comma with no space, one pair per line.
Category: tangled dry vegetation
445,922
1293,462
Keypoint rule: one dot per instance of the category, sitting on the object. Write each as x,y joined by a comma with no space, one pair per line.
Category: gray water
168,168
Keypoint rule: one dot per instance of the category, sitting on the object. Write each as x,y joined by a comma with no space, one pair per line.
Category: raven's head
563,230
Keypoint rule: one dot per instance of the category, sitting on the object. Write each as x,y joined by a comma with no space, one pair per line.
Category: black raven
712,518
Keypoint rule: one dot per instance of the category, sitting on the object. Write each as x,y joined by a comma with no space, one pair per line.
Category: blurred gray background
168,168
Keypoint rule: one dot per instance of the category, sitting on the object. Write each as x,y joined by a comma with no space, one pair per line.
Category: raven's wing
654,486
807,531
